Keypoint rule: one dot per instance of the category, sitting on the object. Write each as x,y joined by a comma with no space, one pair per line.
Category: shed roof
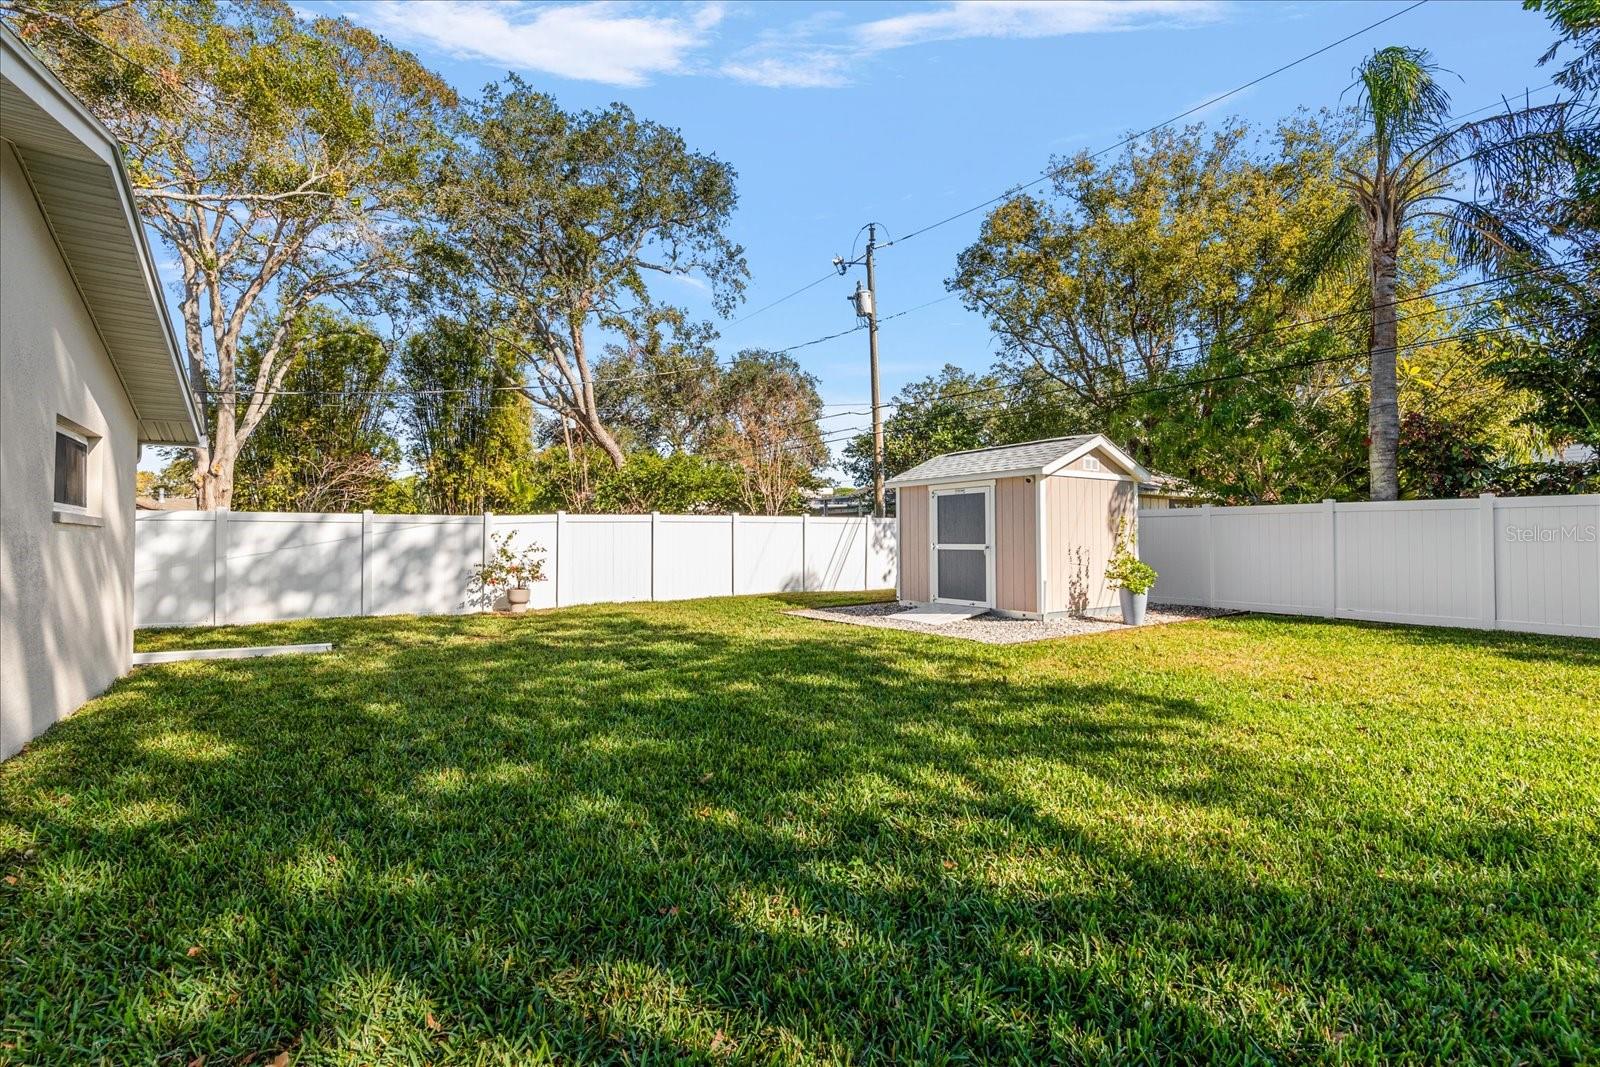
76,171
1030,457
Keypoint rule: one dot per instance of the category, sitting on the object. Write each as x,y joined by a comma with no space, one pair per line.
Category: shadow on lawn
623,837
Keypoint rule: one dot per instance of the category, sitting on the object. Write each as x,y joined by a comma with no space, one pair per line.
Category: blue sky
903,113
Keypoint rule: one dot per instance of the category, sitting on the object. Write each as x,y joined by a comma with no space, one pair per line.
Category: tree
665,394
769,429
325,444
549,225
276,157
949,411
1547,327
681,483
1138,269
1420,165
468,424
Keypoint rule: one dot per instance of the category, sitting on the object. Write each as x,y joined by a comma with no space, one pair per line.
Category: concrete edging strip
142,658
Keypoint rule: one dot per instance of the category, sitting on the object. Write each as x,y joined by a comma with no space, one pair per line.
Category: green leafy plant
509,568
1126,569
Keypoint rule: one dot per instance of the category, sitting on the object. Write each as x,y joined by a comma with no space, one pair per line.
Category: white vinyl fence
1516,563
218,567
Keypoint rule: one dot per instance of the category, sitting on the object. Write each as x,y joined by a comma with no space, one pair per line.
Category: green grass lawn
711,831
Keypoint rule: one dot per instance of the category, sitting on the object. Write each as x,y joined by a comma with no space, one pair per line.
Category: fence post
561,529
1211,557
805,566
1331,509
733,554
655,524
867,523
366,558
1488,608
219,566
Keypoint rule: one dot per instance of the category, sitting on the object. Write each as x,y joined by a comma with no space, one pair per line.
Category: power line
1002,403
1125,363
1145,133
1252,372
787,296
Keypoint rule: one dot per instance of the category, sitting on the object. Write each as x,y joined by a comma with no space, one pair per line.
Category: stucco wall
1080,530
66,591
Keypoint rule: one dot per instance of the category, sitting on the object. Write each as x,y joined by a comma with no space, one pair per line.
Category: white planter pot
517,599
1133,606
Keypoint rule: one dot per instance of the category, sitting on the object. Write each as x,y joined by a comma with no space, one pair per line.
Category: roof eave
35,82
973,476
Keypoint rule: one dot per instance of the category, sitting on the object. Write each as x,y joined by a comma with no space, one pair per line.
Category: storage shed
1024,530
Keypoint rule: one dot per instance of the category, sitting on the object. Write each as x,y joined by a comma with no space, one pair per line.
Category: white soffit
77,175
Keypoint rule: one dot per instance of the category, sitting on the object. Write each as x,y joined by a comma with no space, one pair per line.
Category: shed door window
72,470
961,519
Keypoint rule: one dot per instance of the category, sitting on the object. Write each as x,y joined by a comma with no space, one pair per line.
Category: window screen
72,471
963,574
961,519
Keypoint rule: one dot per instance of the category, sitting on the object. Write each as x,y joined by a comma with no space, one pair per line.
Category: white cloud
821,53
819,69
1030,18
611,42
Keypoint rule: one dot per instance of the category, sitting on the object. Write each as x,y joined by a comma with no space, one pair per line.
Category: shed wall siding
1081,529
912,504
1016,546
66,591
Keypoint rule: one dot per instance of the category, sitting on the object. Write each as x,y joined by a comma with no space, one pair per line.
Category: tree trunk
601,436
214,479
1383,411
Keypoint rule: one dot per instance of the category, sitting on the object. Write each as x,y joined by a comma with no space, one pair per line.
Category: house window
1090,463
72,470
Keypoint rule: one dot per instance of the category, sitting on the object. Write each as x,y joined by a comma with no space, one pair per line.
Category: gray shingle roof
1031,455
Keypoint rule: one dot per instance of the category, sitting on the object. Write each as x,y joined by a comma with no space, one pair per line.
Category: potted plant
510,570
1132,576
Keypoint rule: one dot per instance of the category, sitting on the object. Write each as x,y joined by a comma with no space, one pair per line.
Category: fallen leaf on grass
281,1059
11,879
194,950
434,1024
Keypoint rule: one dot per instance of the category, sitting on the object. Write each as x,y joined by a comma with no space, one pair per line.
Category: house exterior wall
912,507
1081,516
66,590
1016,545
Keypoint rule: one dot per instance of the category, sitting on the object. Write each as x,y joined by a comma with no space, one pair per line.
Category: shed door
963,546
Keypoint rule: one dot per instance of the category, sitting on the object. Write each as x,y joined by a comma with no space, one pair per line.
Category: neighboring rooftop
1030,457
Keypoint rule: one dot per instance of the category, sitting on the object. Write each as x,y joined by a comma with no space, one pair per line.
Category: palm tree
1476,177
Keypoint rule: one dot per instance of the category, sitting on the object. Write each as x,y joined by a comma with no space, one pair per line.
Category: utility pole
872,344
866,304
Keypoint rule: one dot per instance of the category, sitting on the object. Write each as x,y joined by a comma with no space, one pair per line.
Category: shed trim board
1042,558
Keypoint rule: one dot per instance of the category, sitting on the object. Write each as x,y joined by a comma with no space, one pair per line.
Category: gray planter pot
1133,606
518,599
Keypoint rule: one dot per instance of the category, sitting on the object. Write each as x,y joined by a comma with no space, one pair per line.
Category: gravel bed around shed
992,629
